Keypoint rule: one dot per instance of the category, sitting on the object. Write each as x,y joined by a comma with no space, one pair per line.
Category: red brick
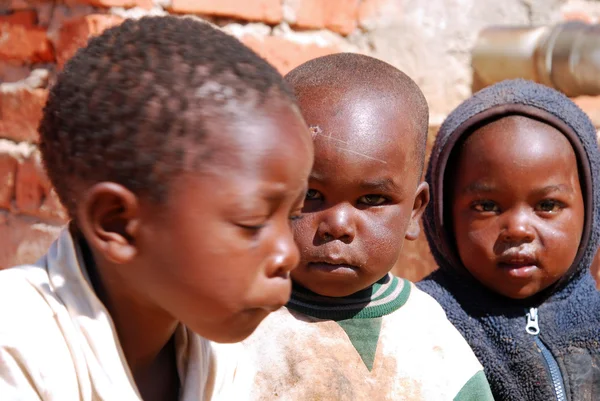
8,171
146,4
21,4
26,18
32,185
20,113
336,15
75,33
24,44
12,72
52,208
285,54
268,11
575,15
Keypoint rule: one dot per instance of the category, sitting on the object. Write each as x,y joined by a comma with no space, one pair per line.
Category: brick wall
428,39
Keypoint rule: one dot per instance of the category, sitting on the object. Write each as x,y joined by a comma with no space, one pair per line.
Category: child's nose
337,224
286,256
517,228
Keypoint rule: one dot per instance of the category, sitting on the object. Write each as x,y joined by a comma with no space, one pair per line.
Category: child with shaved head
353,331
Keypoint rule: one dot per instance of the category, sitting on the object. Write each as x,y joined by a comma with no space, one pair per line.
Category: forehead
356,130
516,146
255,138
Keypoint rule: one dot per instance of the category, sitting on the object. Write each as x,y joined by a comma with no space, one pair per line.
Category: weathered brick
268,11
26,18
585,11
146,4
8,171
283,53
76,32
24,239
32,185
373,12
24,44
20,4
52,209
337,15
12,72
20,113
573,15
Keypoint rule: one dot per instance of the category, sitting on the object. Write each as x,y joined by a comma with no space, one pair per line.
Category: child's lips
519,266
336,268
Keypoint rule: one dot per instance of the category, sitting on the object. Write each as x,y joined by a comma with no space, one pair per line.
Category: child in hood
513,225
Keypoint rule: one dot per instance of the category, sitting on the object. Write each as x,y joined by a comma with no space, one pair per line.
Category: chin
239,327
337,290
518,294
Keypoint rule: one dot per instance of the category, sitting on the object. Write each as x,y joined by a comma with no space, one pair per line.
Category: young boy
181,157
352,331
514,227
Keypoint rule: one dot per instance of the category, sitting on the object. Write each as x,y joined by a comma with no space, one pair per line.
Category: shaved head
366,80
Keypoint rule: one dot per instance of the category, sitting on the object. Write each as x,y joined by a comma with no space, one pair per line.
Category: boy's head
514,190
369,126
516,205
181,157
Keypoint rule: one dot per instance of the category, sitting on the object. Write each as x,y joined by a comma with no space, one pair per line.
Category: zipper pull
532,326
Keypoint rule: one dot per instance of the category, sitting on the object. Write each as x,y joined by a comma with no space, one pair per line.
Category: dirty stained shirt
388,342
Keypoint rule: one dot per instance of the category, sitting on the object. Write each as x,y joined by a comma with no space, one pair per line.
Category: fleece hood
526,98
561,361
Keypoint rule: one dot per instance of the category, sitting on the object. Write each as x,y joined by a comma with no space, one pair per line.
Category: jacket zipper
533,328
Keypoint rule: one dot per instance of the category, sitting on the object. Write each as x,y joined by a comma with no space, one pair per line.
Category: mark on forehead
316,131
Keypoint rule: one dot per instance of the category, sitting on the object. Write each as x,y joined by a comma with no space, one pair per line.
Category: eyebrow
554,188
478,187
382,184
482,187
378,185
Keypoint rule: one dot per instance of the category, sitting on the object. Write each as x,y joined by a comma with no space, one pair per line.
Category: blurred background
449,47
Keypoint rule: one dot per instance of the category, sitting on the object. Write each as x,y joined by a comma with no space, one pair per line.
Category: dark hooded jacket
562,361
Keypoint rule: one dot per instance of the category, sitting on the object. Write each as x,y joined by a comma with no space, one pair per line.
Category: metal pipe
565,56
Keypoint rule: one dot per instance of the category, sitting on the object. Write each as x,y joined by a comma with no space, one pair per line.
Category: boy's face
517,206
217,256
361,198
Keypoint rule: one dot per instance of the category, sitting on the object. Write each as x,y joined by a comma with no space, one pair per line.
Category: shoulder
34,356
424,324
24,292
432,348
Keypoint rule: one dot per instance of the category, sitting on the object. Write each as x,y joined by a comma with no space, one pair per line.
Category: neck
380,299
144,330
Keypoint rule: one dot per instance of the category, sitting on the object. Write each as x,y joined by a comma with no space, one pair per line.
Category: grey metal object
565,56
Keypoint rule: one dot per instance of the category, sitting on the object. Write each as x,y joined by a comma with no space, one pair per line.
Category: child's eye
372,200
252,228
313,194
549,206
486,207
296,217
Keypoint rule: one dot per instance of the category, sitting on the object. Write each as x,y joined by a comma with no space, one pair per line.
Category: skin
215,256
517,211
365,194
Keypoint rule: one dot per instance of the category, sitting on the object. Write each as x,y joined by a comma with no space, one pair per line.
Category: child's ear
421,201
108,217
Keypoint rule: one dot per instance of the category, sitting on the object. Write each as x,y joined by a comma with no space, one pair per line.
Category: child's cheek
304,229
483,236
